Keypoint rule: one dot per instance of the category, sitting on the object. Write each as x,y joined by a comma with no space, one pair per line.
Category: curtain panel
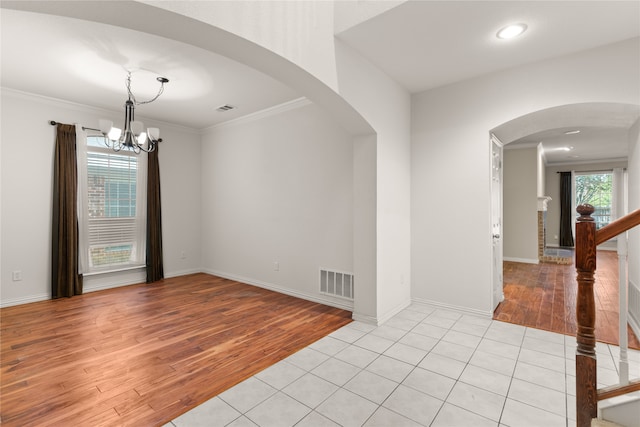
566,214
65,279
155,268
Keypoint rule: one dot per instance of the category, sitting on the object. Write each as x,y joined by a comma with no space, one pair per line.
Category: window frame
88,226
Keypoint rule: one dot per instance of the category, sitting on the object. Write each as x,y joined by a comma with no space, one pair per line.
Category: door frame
496,222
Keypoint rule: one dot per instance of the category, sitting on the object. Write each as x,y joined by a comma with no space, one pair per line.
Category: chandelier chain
132,96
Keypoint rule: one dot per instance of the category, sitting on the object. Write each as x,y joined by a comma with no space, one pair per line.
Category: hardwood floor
143,354
543,296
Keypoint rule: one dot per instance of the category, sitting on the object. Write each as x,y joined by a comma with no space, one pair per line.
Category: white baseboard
388,315
523,260
99,282
460,309
24,300
377,321
272,287
182,273
369,320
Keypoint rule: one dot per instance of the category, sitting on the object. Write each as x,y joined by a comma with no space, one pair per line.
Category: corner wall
387,106
277,201
520,205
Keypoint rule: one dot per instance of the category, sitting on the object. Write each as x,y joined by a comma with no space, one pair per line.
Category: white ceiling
87,63
427,44
420,44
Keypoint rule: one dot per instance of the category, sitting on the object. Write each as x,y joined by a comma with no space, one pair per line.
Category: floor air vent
336,283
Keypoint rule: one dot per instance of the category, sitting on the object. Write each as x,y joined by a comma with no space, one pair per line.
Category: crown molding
258,115
57,102
590,162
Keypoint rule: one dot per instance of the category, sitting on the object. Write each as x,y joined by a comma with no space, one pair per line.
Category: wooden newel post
586,385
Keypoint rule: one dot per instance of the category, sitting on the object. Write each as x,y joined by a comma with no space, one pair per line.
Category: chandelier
133,137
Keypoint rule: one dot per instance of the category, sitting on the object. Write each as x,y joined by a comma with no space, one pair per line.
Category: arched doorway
546,142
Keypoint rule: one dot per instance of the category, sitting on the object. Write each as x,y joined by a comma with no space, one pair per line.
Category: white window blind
113,202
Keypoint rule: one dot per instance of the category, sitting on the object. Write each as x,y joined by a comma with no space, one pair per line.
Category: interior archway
548,140
171,25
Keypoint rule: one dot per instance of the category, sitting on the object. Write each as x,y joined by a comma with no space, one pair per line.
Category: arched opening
584,137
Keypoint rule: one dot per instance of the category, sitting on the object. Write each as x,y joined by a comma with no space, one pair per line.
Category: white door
496,220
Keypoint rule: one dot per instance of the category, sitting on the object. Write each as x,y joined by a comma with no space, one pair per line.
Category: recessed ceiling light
572,132
511,31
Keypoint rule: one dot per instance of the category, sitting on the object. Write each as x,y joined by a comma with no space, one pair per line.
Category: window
596,189
112,207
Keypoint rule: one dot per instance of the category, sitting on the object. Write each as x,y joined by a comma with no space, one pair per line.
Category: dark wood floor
543,296
142,355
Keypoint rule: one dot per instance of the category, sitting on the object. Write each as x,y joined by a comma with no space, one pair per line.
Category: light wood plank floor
143,354
543,296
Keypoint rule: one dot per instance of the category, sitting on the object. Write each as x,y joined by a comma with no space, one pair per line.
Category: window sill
115,270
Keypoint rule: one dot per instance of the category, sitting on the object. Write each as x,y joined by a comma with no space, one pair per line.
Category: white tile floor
424,367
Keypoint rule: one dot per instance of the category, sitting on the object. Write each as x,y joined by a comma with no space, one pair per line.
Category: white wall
450,152
540,171
520,205
387,106
301,31
278,189
28,142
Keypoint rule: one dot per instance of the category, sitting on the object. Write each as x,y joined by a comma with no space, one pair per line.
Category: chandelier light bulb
105,126
114,134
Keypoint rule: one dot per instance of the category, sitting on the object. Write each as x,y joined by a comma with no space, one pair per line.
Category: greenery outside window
596,189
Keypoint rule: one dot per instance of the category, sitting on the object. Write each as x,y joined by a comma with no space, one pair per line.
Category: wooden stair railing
587,238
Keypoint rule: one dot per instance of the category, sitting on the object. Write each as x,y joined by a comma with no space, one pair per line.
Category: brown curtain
155,269
566,223
65,280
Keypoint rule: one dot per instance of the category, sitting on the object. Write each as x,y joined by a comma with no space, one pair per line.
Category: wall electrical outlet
183,255
17,275
276,266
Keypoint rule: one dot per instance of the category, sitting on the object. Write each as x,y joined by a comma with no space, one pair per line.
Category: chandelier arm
162,81
151,148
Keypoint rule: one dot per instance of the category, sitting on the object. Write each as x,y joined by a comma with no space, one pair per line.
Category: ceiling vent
225,107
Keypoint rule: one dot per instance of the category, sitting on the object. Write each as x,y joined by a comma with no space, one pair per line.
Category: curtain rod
53,123
594,171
